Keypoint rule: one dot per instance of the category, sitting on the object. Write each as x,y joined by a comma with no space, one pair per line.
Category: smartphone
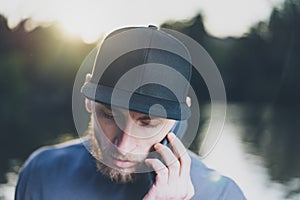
178,129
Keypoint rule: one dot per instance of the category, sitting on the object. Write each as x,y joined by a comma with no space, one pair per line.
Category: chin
117,175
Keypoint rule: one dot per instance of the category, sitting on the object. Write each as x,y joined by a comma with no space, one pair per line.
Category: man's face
123,139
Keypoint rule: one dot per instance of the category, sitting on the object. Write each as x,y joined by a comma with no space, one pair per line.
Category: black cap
142,69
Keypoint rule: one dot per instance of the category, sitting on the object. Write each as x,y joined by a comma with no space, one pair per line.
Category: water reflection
7,190
258,149
275,137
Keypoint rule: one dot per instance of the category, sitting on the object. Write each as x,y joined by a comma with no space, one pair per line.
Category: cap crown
136,68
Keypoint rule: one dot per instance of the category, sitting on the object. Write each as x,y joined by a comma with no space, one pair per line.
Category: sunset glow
90,18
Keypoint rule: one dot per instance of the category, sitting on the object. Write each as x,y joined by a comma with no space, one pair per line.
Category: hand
173,180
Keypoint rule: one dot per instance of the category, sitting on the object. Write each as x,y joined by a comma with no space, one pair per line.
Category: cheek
108,128
159,136
162,132
148,143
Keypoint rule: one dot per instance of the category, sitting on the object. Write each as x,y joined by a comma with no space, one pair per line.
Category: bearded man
133,149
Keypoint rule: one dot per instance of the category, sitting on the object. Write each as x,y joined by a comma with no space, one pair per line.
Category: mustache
113,152
110,150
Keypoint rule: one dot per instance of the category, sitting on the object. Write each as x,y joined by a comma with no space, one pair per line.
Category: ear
88,77
188,101
88,103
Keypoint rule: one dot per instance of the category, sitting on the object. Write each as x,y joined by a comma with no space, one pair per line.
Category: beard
118,175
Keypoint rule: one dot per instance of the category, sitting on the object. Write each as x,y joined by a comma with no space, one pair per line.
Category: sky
90,18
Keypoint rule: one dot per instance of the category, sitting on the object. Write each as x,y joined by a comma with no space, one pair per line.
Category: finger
191,191
176,144
170,159
166,153
160,169
181,153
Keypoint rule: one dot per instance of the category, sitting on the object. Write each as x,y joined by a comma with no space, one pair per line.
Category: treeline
263,66
37,71
38,68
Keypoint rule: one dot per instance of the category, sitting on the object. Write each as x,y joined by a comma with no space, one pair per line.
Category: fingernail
171,135
148,162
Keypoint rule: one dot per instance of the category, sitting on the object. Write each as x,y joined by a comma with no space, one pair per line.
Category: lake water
258,148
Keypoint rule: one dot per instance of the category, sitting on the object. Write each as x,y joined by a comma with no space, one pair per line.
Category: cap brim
136,102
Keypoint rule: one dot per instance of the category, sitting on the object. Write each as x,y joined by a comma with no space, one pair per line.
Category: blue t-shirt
69,172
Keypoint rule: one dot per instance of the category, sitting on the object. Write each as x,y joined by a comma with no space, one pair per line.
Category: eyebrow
147,117
144,118
103,106
108,106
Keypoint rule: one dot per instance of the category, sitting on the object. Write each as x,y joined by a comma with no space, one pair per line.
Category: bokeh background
255,45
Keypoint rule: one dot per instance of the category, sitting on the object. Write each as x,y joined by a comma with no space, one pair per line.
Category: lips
124,163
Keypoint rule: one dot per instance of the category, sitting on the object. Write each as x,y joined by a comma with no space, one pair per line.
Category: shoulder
67,151
71,156
61,159
209,184
49,165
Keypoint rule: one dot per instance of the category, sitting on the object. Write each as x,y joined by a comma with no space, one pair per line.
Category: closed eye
151,123
107,116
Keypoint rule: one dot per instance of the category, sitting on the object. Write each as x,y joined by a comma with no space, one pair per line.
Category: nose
124,140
